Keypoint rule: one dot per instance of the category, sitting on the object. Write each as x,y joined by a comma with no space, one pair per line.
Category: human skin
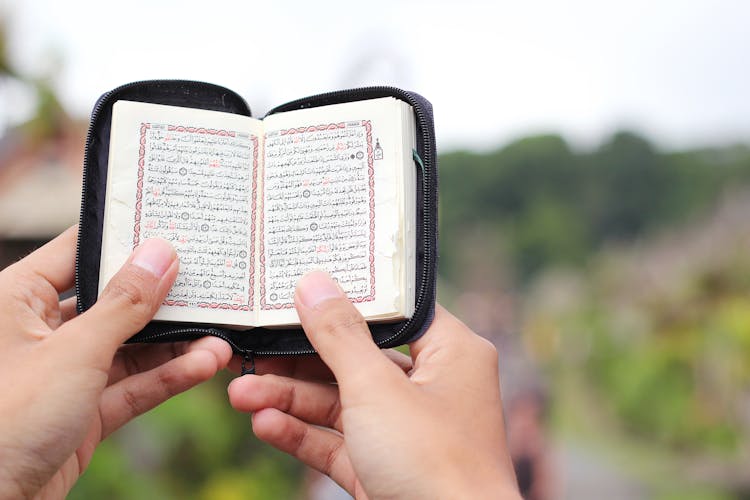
429,426
68,381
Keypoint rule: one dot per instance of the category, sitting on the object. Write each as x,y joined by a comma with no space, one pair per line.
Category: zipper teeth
84,189
197,332
427,198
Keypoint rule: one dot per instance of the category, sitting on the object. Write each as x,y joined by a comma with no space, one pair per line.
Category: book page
408,204
188,176
332,199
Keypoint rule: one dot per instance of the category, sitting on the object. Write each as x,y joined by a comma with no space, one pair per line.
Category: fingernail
315,287
155,255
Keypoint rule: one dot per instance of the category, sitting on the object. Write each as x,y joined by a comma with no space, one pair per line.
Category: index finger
445,329
55,261
451,352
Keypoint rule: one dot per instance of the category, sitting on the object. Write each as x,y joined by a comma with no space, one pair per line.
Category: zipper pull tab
248,357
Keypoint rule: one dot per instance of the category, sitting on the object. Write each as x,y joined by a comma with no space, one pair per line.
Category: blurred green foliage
193,446
550,206
652,319
5,67
660,341
49,117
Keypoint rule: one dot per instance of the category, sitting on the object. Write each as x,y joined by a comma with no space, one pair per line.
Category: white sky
677,70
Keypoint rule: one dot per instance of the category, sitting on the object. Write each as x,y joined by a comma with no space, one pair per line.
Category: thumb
340,335
129,301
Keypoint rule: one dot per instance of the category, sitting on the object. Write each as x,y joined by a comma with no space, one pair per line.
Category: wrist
484,482
497,488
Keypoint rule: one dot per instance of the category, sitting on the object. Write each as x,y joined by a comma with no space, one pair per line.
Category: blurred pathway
587,475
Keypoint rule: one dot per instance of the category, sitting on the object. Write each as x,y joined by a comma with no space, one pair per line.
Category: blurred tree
651,347
509,189
5,67
545,205
625,188
194,446
49,117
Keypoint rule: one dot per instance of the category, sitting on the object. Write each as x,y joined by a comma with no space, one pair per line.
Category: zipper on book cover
247,366
248,355
425,164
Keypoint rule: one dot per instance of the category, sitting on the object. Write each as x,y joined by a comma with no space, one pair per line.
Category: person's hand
434,432
67,382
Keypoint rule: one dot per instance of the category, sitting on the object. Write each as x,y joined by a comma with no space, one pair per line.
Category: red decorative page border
139,185
253,209
201,130
139,205
262,249
312,128
222,305
371,181
177,303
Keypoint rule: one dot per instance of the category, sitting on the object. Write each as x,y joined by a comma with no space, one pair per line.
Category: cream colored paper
191,176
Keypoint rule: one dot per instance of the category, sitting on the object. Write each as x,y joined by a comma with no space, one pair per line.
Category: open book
251,205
